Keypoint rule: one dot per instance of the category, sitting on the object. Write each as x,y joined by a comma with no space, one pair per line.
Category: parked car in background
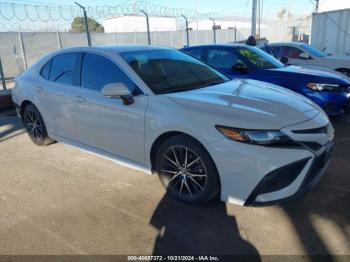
328,90
161,111
307,55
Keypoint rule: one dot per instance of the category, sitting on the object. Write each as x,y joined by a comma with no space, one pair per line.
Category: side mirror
240,67
304,56
284,60
118,90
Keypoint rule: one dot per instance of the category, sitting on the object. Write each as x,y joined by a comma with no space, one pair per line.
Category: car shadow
197,230
10,125
329,201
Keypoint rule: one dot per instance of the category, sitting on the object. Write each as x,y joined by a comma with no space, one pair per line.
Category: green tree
78,25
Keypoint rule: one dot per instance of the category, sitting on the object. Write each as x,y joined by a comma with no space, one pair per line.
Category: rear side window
62,68
45,71
286,51
196,53
98,71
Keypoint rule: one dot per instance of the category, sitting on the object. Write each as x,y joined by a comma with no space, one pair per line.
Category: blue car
327,89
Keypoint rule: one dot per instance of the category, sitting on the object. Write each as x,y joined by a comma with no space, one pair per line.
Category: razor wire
45,13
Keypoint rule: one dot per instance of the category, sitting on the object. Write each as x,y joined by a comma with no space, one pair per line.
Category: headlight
320,87
257,137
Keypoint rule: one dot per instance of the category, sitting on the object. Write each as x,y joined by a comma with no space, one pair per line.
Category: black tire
178,175
35,126
344,71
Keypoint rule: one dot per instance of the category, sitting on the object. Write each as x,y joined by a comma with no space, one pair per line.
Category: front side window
98,71
168,70
62,68
313,51
259,58
221,58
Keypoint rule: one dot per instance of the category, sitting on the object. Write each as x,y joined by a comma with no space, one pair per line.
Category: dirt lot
58,200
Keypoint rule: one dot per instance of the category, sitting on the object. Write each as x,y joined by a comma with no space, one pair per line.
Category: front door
105,123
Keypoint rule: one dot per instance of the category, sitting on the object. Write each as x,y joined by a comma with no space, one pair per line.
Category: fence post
235,32
171,38
148,30
22,50
86,23
187,34
115,38
2,76
59,40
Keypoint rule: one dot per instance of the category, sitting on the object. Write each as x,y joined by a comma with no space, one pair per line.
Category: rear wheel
35,126
186,170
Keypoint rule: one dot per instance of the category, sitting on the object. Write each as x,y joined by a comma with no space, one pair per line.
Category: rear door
105,123
56,93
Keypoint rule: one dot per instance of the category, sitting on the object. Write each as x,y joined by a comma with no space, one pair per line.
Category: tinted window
286,51
45,71
220,58
168,70
196,53
259,58
98,71
62,68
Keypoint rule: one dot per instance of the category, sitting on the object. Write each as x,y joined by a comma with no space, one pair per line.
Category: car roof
287,43
114,48
216,45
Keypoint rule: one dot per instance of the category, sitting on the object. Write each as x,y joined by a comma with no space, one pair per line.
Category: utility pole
253,32
86,23
316,6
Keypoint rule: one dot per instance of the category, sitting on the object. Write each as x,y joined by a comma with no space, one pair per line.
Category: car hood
313,71
249,104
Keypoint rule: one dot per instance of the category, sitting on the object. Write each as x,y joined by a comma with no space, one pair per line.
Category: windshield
259,58
169,71
313,51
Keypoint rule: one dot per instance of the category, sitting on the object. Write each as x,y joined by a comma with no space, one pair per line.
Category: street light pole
214,29
187,34
148,32
86,23
253,32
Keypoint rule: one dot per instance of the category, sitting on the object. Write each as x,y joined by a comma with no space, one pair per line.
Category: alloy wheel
33,124
184,171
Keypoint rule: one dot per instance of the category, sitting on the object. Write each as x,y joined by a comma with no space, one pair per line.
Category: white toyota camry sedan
162,111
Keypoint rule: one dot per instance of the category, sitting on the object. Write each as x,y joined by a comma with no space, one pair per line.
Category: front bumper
244,168
316,170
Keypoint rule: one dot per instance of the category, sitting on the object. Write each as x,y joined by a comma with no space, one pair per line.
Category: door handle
79,99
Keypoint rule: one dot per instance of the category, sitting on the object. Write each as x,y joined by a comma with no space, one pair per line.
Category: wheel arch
165,136
23,105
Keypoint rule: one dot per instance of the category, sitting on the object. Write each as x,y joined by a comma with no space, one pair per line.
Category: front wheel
187,171
35,126
344,71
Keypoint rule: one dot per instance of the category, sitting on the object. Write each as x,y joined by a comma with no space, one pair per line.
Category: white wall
330,30
138,24
329,5
208,24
